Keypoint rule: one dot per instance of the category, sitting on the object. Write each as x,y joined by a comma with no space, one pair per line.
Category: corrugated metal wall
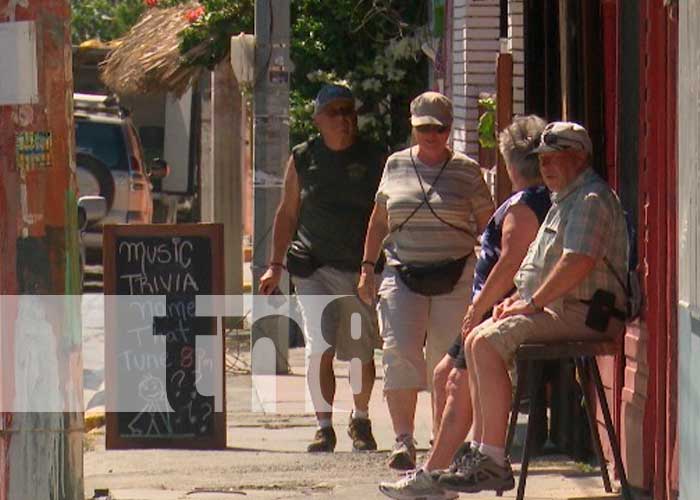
689,247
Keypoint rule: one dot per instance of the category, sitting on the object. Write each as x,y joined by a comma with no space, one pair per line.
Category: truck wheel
92,171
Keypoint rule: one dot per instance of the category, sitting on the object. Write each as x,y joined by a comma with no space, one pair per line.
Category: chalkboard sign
158,353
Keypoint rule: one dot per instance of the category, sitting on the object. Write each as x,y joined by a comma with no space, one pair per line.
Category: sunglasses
427,129
563,143
343,111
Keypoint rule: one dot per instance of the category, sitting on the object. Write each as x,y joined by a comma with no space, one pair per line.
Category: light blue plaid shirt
586,218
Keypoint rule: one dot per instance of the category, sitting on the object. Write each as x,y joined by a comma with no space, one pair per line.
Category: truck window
104,141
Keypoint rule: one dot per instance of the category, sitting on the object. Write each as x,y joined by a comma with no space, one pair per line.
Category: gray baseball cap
431,108
564,136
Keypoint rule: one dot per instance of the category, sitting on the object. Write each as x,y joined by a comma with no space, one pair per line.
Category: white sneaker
403,456
416,485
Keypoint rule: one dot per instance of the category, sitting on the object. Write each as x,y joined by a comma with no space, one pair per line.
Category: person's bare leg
477,421
402,408
439,394
456,421
362,398
494,392
320,378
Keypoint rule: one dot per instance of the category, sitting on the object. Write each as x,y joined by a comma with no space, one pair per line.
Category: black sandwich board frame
112,235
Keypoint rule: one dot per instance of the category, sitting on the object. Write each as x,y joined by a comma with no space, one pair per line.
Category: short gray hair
517,141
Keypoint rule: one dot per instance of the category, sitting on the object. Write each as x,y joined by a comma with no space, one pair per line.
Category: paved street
265,456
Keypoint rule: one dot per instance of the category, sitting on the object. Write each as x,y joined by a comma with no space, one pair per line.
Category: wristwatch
531,302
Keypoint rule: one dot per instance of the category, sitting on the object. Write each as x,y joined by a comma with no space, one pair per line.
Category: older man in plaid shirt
579,257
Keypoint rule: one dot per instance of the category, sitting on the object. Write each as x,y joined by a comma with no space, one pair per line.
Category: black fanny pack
432,279
300,262
601,308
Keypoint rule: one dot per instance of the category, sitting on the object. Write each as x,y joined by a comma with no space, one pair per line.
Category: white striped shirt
459,193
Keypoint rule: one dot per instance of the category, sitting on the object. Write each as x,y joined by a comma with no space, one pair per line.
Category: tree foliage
373,46
103,19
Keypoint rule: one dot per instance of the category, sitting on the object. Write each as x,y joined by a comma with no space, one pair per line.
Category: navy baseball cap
330,93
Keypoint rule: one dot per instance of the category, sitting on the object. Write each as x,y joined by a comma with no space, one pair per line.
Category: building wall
474,32
516,46
657,194
689,249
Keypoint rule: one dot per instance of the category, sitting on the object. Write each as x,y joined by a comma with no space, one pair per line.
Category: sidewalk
265,457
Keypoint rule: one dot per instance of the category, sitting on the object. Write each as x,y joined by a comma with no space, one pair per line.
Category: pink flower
193,15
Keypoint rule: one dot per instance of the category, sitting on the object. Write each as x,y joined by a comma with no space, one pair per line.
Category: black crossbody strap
425,198
617,277
399,227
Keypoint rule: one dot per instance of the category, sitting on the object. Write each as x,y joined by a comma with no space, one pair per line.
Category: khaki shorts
565,321
347,325
411,323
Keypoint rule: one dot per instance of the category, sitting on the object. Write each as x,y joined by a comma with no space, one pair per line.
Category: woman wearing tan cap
430,205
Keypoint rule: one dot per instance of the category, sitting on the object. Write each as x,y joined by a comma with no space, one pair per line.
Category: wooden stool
583,353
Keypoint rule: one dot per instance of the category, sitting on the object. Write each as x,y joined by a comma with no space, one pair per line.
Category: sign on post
18,60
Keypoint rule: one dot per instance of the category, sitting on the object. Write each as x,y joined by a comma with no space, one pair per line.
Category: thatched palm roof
147,59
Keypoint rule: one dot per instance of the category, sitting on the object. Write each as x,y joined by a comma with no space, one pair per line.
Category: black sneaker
360,431
481,474
324,441
463,457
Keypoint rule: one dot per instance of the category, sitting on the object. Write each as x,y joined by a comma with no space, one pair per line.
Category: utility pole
271,149
41,423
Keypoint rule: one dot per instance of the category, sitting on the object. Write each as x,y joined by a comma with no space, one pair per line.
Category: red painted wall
647,374
671,443
657,188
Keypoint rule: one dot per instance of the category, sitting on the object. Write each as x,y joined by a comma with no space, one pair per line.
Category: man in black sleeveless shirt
327,200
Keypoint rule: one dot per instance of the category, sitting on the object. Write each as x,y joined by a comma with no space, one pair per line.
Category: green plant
586,468
206,41
486,127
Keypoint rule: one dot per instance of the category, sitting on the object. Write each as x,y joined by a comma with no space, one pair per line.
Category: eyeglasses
342,111
427,129
563,143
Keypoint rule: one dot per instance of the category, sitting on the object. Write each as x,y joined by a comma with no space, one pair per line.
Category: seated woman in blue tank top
504,243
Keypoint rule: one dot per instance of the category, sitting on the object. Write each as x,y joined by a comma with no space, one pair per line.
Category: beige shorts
565,321
417,330
334,330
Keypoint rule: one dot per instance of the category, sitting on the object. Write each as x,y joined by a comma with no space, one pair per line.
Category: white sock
325,422
360,414
498,455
